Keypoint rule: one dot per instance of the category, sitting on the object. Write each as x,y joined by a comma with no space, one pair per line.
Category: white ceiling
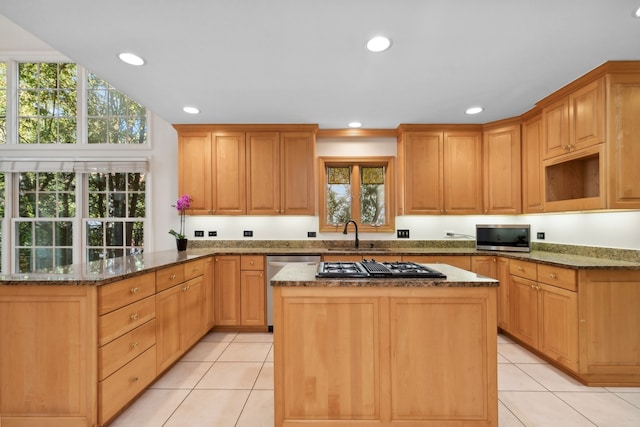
304,61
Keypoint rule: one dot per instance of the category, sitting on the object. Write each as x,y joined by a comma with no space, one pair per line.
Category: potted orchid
182,204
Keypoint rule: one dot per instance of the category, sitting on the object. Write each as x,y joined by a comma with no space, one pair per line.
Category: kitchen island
362,352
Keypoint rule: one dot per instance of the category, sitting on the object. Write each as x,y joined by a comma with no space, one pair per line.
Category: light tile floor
227,380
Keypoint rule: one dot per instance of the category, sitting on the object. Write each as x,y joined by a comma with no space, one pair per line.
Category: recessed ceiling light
131,58
636,13
378,44
190,110
355,124
474,110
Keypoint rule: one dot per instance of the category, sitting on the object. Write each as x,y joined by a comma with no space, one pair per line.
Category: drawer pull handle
552,275
251,262
173,276
134,379
134,345
134,316
134,290
520,268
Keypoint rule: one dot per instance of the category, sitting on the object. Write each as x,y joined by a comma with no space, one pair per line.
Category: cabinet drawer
524,269
125,319
117,390
168,277
193,269
565,278
122,350
252,262
119,294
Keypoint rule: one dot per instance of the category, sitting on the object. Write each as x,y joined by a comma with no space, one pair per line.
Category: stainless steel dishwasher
274,264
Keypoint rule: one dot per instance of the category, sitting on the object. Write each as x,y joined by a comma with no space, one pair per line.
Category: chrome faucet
345,230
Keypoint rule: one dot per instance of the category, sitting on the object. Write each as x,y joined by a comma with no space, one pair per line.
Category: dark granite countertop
301,274
108,271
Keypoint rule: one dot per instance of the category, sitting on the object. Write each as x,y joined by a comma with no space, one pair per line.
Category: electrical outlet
248,233
213,233
198,233
403,234
311,234
540,235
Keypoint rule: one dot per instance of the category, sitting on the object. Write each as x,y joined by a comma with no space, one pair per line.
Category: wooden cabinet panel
423,154
193,269
263,173
297,173
252,262
555,127
194,171
524,310
123,292
532,182
565,278
501,170
191,301
559,325
463,173
118,322
227,290
169,277
623,142
228,173
496,268
252,297
117,390
528,270
122,350
168,327
586,115
48,353
208,317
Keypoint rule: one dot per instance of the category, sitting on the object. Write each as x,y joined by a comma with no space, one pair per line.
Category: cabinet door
297,173
168,327
501,158
586,115
194,171
263,173
252,297
229,173
192,299
532,182
502,274
523,295
623,145
555,127
559,325
484,265
463,172
227,290
423,172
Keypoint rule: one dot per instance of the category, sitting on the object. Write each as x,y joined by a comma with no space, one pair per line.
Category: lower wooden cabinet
240,291
462,261
385,356
496,268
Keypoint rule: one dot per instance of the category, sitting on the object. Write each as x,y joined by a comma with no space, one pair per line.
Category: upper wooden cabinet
440,171
501,169
250,169
532,182
575,121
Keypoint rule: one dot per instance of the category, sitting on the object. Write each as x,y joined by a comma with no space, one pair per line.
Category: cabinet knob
261,275
133,316
133,290
552,275
520,268
251,262
173,276
134,345
134,379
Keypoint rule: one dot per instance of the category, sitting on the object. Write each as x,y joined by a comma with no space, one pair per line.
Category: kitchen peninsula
353,352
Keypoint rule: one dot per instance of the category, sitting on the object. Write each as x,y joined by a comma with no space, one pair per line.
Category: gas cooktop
374,269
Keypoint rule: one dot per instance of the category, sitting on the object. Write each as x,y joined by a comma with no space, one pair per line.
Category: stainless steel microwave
503,237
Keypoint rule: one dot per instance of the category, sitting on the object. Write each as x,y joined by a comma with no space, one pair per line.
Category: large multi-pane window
63,213
47,103
44,228
358,189
116,210
113,117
